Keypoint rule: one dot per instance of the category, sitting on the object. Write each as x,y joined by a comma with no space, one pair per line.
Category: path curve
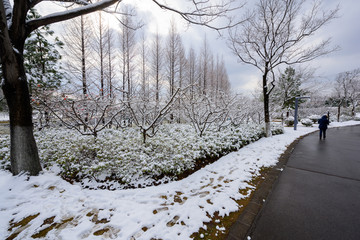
316,196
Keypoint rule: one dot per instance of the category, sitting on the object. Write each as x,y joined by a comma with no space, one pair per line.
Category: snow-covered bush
289,121
121,154
314,118
306,122
5,151
344,118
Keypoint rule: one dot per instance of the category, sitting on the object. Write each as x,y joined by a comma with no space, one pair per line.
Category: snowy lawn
47,205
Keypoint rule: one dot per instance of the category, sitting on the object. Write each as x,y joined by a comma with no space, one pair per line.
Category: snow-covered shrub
344,118
306,122
121,154
289,121
314,118
277,129
5,152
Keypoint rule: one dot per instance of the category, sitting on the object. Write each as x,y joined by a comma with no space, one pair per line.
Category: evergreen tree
41,58
287,88
41,64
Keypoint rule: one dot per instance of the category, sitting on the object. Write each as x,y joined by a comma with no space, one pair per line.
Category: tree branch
204,15
66,15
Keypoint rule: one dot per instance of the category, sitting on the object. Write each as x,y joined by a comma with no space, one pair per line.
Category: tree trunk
144,135
23,152
353,106
83,59
266,106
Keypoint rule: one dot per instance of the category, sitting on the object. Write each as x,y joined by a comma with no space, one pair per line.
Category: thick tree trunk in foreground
23,152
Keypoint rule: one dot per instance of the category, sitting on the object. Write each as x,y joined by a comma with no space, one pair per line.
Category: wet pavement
317,196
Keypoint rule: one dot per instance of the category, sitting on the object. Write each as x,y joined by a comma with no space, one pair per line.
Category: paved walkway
317,196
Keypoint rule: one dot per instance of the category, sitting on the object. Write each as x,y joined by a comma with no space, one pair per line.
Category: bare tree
147,117
354,89
181,77
192,72
144,91
127,49
347,91
172,57
77,39
173,52
88,115
78,50
242,110
222,77
202,112
276,33
14,29
156,63
212,74
339,98
100,50
110,70
205,68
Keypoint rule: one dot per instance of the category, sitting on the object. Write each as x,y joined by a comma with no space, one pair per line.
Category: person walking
323,123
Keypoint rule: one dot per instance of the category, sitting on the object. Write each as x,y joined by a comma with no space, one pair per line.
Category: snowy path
170,211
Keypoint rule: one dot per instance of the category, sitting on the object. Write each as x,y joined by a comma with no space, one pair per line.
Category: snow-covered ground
4,116
168,211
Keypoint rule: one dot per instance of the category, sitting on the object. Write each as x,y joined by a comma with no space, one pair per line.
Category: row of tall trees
121,77
101,59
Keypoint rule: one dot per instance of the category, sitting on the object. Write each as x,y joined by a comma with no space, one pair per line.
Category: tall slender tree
172,57
205,66
100,50
77,39
144,70
157,63
110,73
127,49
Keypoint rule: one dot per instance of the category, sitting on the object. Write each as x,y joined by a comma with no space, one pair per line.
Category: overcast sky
344,31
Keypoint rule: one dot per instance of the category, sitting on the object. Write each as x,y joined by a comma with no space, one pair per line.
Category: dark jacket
323,122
